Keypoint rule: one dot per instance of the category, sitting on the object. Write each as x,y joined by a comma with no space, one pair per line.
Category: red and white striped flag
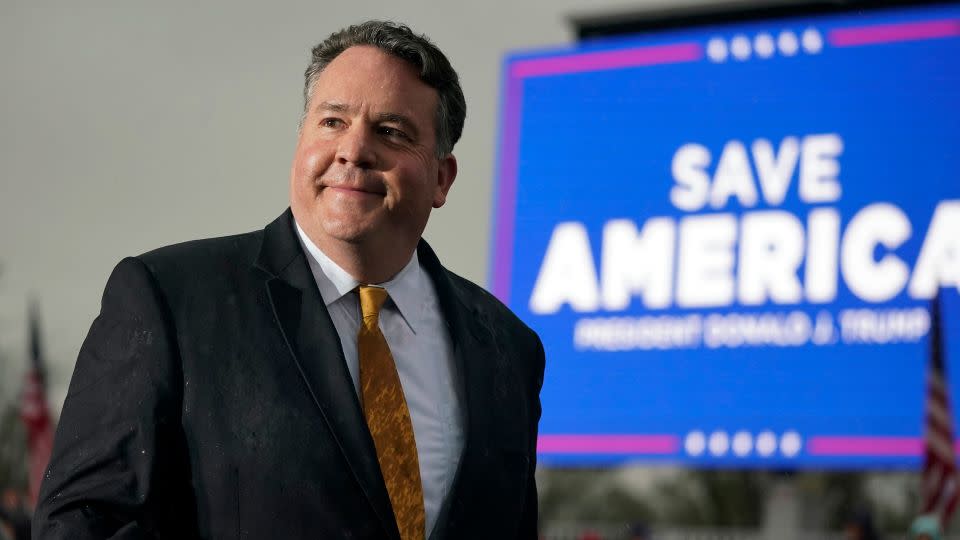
940,481
34,411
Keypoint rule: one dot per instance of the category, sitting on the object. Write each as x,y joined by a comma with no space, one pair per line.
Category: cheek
412,189
307,166
309,162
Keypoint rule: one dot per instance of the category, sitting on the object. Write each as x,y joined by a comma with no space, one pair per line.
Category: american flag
34,410
940,481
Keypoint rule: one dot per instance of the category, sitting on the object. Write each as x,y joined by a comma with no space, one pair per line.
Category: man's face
365,168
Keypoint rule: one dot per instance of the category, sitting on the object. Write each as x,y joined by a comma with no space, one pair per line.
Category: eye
393,133
331,122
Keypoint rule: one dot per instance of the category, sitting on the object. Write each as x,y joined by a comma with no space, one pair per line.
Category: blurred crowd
15,524
858,526
14,515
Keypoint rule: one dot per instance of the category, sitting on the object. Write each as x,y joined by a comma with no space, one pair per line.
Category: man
325,377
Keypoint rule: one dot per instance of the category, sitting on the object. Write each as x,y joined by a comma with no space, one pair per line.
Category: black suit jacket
211,400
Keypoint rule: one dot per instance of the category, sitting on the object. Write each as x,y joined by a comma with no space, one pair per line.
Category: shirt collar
334,282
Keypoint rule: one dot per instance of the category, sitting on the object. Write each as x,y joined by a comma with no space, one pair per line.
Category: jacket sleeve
119,465
529,525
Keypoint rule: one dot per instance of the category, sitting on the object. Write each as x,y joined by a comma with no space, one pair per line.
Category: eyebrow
397,118
332,106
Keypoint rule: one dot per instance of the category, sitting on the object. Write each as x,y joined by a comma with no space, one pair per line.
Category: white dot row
764,45
742,443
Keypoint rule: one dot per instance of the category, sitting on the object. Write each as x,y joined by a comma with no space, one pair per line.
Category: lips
353,190
352,183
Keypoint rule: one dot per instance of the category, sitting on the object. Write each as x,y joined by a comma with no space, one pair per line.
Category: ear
446,174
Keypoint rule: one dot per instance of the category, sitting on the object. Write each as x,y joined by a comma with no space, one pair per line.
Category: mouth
352,191
359,189
356,187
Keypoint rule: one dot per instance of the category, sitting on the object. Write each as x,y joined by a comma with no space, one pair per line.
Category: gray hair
398,40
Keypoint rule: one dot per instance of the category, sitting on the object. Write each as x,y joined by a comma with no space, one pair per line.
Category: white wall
125,126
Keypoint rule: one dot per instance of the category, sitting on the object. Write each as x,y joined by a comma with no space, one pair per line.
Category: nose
357,146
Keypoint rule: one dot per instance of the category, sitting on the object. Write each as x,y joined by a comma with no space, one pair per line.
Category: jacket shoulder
199,258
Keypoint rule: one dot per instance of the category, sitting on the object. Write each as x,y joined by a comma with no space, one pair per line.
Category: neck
367,263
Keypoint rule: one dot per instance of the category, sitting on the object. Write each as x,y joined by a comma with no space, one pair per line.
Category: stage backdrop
729,237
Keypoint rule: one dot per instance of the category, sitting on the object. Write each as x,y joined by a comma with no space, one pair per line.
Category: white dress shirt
415,330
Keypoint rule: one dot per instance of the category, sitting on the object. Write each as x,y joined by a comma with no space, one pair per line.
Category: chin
345,232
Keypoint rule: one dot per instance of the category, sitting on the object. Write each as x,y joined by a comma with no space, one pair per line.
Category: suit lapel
472,349
316,350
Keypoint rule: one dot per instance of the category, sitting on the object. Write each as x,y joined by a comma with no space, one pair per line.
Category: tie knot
371,300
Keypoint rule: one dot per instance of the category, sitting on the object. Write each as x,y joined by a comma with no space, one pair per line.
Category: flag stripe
34,411
938,410
940,482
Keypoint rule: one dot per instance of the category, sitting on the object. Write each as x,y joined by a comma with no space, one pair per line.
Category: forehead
368,78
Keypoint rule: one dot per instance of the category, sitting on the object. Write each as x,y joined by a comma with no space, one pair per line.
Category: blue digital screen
729,238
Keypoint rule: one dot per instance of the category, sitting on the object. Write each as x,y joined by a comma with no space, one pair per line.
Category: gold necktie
388,418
